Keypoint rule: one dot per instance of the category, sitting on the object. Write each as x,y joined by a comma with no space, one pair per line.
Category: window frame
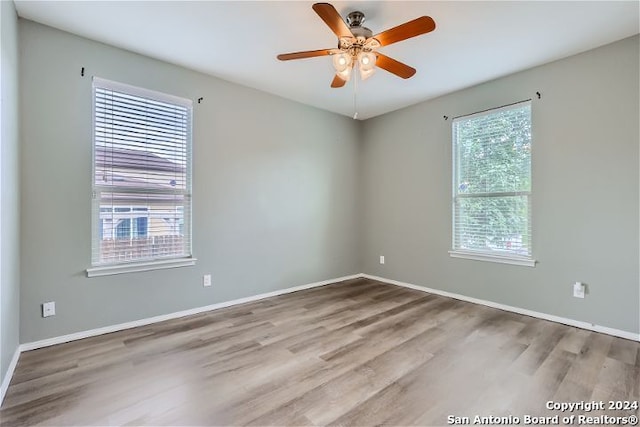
145,264
503,257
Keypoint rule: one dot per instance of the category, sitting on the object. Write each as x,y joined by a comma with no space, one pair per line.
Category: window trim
138,266
182,260
484,256
480,255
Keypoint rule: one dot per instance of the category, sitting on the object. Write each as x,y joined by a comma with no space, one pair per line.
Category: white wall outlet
49,309
578,290
381,259
206,280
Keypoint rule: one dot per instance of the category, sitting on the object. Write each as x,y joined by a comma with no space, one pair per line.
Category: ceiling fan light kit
357,46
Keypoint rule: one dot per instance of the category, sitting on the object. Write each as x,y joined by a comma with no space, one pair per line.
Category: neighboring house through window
492,185
142,179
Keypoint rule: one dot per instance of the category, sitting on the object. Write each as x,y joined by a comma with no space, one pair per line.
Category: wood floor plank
582,376
359,352
624,351
615,381
354,386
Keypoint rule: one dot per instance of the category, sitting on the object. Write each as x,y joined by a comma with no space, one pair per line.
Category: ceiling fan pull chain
355,96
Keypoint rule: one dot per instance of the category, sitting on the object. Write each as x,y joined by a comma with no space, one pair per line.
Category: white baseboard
9,374
571,322
143,322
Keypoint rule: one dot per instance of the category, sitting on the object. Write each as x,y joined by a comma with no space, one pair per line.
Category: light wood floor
354,353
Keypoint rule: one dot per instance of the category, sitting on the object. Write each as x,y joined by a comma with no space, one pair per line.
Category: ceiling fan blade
337,81
394,67
305,54
418,26
332,18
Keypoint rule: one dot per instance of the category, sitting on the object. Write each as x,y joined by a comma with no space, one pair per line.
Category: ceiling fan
358,46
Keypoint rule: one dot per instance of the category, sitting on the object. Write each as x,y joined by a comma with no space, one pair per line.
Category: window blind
142,175
492,181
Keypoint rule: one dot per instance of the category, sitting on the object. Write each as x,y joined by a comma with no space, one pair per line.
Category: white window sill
134,267
503,259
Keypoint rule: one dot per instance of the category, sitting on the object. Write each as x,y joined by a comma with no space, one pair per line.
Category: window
123,230
142,179
492,185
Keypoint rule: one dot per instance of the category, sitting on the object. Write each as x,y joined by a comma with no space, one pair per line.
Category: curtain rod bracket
539,96
82,72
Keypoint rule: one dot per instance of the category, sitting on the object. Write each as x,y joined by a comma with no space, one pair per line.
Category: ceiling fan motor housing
355,20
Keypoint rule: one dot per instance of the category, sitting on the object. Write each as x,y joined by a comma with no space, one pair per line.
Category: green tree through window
492,182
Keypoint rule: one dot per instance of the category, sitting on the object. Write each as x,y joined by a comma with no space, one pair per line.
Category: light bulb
344,74
365,74
366,62
342,61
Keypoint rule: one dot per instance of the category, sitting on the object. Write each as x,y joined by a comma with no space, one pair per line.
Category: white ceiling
475,41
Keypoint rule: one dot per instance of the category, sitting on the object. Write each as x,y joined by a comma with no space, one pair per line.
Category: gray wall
274,190
9,188
585,191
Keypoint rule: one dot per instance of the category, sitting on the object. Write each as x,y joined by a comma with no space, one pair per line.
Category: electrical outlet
49,309
206,280
578,290
381,259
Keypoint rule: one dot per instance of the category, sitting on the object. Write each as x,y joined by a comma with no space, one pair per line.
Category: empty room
288,213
